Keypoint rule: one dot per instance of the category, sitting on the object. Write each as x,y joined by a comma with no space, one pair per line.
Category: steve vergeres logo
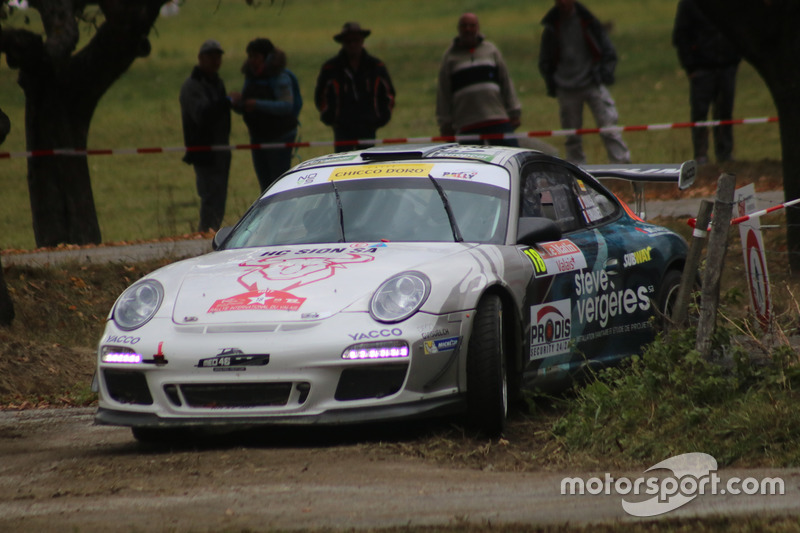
693,474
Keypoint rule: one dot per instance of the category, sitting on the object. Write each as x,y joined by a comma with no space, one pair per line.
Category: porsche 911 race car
392,283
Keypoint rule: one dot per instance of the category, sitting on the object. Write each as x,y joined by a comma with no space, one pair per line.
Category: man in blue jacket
267,104
577,61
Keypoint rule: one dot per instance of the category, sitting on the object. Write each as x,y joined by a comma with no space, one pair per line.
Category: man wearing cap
354,93
475,93
206,117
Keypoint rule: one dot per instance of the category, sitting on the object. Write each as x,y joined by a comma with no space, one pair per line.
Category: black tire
487,369
667,295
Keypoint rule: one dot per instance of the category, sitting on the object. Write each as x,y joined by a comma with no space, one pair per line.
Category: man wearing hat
206,117
354,92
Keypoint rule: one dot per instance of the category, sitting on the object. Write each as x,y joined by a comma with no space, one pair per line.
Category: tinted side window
596,205
549,191
556,192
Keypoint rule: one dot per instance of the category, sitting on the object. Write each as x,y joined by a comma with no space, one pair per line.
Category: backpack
297,98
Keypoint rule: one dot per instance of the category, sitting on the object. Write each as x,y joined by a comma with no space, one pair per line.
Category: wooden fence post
690,269
715,260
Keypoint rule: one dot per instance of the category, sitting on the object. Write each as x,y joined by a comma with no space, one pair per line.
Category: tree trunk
6,305
62,89
62,204
789,112
766,33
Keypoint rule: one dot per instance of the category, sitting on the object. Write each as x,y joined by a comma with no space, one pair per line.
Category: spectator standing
577,61
711,61
206,118
354,93
267,104
475,93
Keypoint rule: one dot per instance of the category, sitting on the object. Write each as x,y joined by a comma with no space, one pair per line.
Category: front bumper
410,411
294,375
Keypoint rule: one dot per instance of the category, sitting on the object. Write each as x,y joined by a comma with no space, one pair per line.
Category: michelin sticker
441,345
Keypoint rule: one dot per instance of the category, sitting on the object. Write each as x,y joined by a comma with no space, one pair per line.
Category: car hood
293,282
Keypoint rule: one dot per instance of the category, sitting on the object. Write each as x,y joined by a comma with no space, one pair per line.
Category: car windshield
376,210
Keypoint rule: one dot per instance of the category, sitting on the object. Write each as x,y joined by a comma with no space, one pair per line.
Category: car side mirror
220,237
533,230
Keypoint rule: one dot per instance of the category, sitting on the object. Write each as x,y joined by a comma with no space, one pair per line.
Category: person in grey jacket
475,94
711,61
206,117
577,61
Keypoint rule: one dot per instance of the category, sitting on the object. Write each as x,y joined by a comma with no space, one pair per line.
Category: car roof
492,165
498,155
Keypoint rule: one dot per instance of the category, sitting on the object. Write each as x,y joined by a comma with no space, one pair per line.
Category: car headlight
399,297
138,304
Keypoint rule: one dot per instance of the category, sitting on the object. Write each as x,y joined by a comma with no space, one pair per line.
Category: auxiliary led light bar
112,354
376,350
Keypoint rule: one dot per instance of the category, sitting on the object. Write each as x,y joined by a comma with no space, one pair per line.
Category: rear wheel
668,295
487,370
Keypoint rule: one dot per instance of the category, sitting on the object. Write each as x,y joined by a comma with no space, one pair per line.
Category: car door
579,296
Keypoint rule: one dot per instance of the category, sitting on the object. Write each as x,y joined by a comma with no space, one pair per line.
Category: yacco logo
376,334
693,474
123,339
550,329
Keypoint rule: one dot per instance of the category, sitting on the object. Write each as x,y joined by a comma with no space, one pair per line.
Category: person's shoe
701,160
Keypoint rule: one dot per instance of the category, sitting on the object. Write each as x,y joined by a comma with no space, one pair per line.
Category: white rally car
392,283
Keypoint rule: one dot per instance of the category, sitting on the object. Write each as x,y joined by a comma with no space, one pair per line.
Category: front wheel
487,370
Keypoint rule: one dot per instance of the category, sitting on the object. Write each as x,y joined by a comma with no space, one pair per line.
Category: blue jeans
270,163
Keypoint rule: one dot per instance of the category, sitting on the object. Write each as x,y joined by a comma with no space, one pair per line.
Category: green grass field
149,196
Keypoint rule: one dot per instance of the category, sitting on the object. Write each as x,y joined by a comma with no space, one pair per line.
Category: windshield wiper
450,216
340,211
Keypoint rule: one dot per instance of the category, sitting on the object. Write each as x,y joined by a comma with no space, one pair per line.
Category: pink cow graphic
265,281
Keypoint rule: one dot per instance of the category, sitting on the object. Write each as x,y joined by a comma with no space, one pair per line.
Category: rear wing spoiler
683,175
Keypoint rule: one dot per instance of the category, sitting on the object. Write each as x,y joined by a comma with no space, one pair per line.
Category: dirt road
60,472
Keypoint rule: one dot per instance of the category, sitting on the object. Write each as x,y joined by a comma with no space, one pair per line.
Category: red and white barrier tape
693,221
398,140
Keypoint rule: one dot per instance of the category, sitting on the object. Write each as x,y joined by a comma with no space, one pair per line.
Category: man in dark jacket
354,92
711,62
206,117
577,61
